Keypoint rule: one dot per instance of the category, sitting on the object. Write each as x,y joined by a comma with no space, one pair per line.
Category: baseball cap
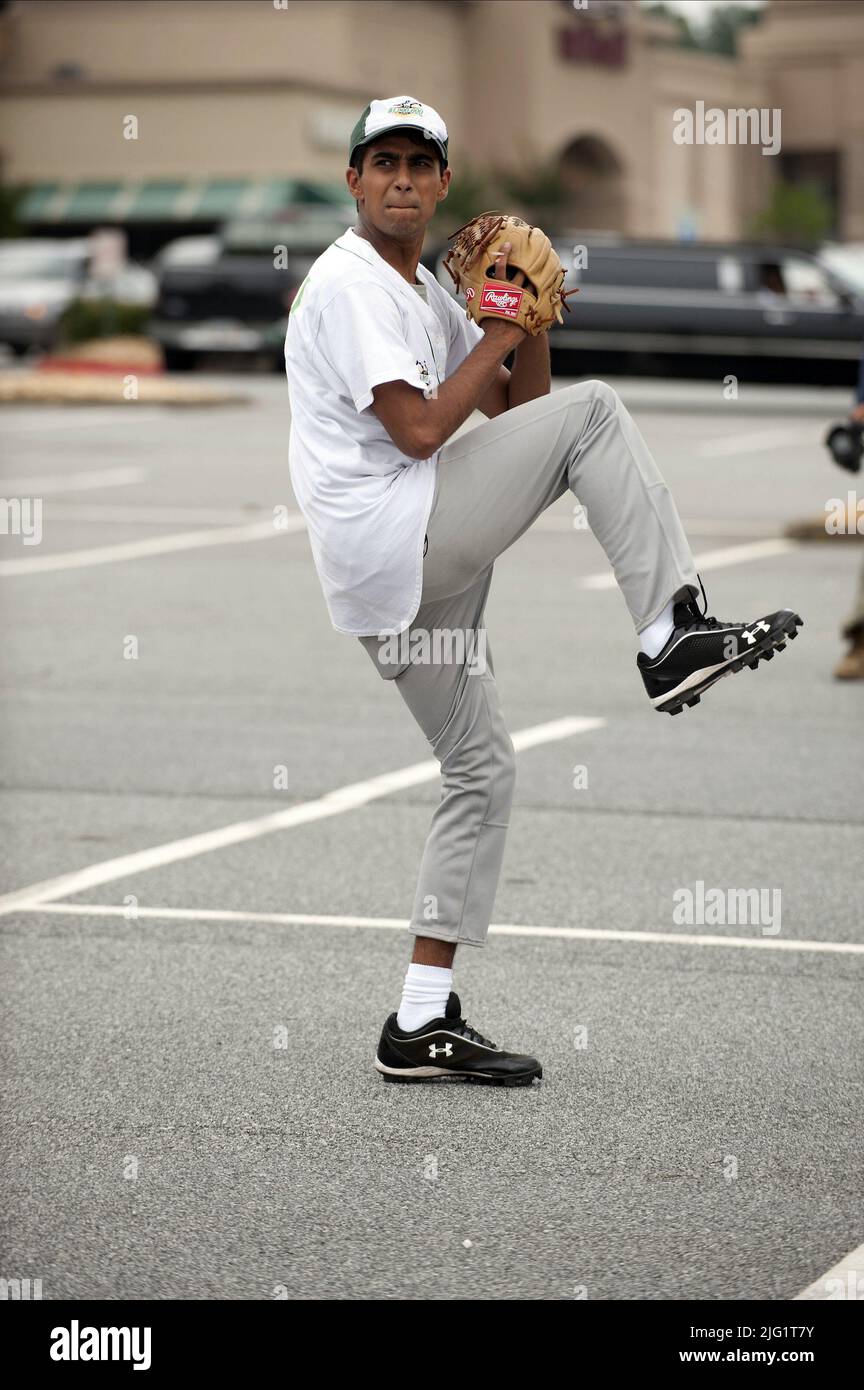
399,113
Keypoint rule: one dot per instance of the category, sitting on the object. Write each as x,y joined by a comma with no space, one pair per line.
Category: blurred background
205,145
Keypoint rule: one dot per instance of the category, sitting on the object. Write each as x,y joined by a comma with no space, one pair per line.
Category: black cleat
447,1048
702,650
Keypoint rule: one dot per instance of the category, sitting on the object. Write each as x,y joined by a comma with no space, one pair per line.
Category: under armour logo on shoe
751,636
447,1049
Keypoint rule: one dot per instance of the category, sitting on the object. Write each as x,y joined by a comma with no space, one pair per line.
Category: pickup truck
230,293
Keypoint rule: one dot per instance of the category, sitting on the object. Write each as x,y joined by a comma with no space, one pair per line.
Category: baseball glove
535,304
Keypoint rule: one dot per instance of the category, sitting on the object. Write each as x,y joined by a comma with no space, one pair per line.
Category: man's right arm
419,426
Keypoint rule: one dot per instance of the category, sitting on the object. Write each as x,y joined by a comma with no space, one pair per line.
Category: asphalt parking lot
201,942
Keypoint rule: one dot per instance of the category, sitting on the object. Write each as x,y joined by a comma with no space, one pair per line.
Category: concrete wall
810,59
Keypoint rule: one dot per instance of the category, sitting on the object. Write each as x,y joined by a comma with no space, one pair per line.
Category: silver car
39,278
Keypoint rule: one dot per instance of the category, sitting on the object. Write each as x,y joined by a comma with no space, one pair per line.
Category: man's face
400,187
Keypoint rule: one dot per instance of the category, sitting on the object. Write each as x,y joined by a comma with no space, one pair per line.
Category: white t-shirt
356,322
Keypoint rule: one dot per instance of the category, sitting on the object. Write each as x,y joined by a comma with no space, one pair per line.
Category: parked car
716,305
39,279
231,292
846,259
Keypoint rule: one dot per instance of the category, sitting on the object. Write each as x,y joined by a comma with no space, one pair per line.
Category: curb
83,365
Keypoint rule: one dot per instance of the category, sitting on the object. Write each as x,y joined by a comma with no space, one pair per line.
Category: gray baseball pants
492,483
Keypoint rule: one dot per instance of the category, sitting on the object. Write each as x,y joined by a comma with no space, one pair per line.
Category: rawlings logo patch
499,300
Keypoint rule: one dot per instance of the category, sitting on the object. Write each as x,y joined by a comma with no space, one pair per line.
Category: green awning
275,195
222,197
91,201
155,201
176,200
76,202
37,201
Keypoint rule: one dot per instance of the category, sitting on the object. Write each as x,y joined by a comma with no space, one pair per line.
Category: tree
796,212
533,188
724,27
686,37
471,192
11,198
536,188
718,35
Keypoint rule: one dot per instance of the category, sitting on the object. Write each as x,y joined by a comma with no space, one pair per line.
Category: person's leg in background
851,666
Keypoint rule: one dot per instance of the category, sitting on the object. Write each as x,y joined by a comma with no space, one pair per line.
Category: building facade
113,109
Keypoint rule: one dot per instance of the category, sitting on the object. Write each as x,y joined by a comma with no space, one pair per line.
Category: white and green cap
399,113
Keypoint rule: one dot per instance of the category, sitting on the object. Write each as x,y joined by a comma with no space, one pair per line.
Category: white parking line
843,1281
308,919
563,521
84,417
294,522
333,803
708,560
133,513
754,442
157,545
71,482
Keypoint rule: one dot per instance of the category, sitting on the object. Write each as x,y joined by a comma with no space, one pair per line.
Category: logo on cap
406,108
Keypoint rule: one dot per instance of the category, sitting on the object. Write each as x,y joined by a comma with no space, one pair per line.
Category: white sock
655,636
424,995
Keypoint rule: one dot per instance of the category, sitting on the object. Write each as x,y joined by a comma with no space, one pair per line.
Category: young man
383,366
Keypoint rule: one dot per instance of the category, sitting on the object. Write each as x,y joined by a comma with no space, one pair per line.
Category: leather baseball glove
535,301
